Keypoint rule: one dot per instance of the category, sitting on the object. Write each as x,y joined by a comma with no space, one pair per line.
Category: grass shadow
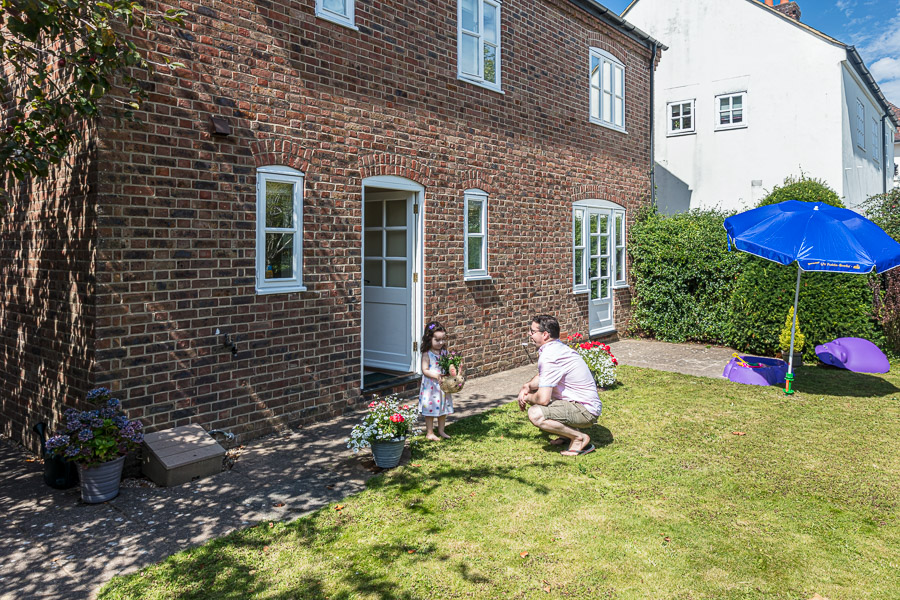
824,380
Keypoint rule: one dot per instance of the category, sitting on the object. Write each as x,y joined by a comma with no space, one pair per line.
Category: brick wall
176,206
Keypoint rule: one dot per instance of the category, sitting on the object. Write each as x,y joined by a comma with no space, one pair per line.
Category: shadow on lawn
832,381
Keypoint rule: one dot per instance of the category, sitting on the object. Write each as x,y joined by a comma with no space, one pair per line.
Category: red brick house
319,180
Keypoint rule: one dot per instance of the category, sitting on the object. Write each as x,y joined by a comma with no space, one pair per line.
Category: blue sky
873,26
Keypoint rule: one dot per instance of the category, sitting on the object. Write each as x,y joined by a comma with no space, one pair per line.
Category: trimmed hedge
683,276
689,287
884,211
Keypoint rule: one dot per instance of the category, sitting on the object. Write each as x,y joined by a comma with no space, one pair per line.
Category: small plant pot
101,483
387,454
798,357
452,383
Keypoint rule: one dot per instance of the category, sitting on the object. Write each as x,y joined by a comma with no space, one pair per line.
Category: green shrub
683,276
831,304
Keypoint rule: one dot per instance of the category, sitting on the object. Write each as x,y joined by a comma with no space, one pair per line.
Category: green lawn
672,505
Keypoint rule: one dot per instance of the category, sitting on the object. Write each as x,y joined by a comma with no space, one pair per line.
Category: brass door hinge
415,346
415,278
416,208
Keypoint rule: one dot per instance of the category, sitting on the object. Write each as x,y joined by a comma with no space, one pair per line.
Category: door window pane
594,223
604,267
396,243
373,243
603,284
372,273
396,273
279,255
604,224
595,271
395,215
373,214
279,204
595,287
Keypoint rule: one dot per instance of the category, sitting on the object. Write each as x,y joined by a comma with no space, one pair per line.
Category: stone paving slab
54,546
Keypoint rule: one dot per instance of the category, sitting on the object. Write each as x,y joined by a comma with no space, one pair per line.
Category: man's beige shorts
568,413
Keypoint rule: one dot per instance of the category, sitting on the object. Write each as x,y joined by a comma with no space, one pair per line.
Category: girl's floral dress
433,402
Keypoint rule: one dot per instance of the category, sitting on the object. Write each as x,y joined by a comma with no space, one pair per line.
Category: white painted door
387,286
600,309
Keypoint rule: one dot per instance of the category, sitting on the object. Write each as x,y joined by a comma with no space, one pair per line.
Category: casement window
680,117
731,111
598,248
338,11
607,90
279,230
475,238
478,42
860,124
876,151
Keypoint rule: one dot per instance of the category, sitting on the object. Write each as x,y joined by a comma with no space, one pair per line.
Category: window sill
580,291
608,125
730,127
284,290
620,286
480,83
337,20
681,133
477,278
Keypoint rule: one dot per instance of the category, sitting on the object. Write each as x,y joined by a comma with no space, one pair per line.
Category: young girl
433,402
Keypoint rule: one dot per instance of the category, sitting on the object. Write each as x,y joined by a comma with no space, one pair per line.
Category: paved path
54,546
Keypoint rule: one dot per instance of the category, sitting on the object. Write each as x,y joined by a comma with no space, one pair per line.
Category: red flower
405,407
585,346
397,418
615,362
372,404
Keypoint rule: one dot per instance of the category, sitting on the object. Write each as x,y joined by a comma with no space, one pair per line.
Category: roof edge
597,10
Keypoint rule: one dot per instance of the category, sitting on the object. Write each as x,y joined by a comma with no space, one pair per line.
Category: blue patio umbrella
818,237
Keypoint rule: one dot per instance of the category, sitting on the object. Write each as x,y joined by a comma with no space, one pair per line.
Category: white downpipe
794,322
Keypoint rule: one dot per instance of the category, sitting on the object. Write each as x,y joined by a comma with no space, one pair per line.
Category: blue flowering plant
96,436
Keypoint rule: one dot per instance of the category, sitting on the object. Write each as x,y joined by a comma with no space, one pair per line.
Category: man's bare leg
578,439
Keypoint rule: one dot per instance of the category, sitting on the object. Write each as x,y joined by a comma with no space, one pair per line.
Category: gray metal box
178,455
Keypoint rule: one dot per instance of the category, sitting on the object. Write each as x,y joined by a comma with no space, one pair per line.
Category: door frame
613,208
393,183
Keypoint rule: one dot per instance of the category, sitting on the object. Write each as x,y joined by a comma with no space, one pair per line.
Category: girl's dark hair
430,330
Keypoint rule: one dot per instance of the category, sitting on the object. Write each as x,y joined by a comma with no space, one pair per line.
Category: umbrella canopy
818,237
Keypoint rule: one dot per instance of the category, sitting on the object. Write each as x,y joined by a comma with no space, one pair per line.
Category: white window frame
295,177
348,20
597,93
860,124
718,111
478,78
669,118
875,136
481,196
616,210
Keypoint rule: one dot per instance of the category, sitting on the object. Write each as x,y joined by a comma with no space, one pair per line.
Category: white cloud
880,49
845,6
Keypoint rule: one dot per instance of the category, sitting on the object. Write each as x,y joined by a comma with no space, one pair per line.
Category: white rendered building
749,95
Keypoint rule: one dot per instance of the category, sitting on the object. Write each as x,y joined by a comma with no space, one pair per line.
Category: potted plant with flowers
385,426
97,441
599,359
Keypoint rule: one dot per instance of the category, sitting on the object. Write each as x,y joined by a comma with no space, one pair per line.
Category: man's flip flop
586,450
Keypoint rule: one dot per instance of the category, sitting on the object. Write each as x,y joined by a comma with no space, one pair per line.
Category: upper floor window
338,11
731,111
476,234
279,230
478,42
607,95
876,151
860,124
680,117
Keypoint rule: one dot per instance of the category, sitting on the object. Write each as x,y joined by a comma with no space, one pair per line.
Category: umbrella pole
789,378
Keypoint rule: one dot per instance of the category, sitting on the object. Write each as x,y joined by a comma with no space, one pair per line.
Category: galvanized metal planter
101,483
387,454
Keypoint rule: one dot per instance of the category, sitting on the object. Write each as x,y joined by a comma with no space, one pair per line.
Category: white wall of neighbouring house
896,162
794,102
863,156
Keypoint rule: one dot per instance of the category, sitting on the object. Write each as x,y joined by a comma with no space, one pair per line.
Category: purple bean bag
767,371
854,354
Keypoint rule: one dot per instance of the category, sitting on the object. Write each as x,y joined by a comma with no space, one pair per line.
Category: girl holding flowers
434,402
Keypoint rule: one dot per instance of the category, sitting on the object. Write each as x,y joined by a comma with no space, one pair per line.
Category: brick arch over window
616,49
474,180
597,192
379,165
280,152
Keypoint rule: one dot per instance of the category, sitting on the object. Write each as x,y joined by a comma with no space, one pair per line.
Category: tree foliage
61,58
